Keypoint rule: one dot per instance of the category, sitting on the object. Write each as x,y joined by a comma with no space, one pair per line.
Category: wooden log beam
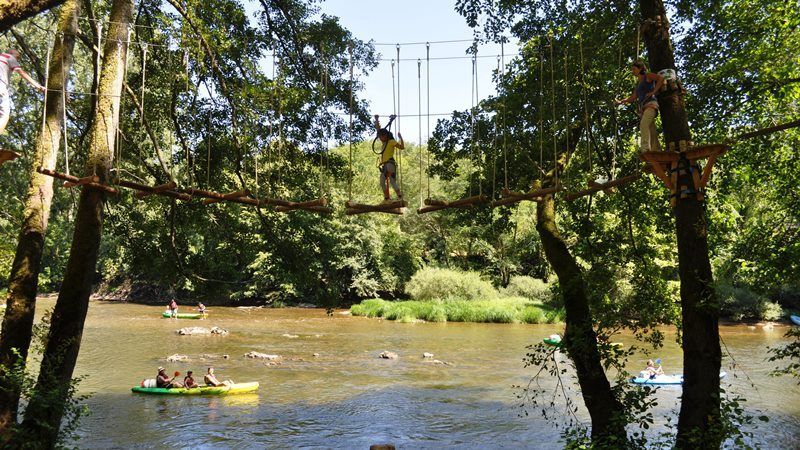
82,181
395,204
76,180
597,187
770,130
150,189
288,205
219,197
155,189
7,155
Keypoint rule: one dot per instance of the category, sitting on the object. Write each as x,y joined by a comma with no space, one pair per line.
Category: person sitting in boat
653,369
188,381
211,379
201,308
173,308
164,381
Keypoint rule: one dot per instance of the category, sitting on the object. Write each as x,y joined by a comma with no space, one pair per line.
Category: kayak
238,388
167,315
795,319
552,342
664,380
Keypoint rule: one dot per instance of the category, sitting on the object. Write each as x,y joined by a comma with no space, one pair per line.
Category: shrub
444,284
528,287
500,310
742,303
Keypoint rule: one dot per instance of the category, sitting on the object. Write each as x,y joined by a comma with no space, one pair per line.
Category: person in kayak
652,370
164,381
188,381
173,308
211,379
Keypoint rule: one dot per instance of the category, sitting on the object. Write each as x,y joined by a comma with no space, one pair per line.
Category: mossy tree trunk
24,278
47,405
580,340
13,12
698,424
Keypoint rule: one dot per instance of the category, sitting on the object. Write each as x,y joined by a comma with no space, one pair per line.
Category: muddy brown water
346,397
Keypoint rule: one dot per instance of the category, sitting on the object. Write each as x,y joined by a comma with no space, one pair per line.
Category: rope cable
566,109
553,107
419,126
541,111
144,75
397,127
428,112
585,106
350,126
502,78
46,83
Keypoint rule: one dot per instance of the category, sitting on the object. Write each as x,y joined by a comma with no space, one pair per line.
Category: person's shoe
386,201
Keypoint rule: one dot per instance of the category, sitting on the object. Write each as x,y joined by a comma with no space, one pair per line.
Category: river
347,397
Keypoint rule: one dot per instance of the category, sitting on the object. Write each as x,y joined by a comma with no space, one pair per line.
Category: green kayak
552,342
238,388
167,315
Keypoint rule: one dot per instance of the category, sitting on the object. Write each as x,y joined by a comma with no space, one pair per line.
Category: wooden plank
659,157
7,155
72,179
234,196
353,212
155,189
145,188
705,151
394,204
657,169
82,181
316,209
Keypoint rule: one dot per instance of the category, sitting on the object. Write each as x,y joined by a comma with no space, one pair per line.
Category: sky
418,21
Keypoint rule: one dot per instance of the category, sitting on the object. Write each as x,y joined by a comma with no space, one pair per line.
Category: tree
24,278
46,407
698,423
15,11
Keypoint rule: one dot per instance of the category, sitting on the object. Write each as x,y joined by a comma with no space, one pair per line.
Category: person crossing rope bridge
386,161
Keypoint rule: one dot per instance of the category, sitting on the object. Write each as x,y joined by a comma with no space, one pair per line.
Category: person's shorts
389,166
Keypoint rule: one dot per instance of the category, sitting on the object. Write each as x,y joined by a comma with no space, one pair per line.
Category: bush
500,310
528,287
444,284
742,303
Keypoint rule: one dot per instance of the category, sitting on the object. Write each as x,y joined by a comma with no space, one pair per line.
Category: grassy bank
499,310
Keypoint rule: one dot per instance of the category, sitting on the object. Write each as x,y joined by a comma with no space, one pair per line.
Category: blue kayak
795,319
664,380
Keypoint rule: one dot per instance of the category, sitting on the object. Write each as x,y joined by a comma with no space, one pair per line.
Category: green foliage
789,352
742,303
528,287
444,284
499,310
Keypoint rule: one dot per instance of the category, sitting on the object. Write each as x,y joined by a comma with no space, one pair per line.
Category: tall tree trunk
24,279
702,357
48,402
13,12
580,340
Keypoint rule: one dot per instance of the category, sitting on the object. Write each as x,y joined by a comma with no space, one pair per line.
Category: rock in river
388,355
257,355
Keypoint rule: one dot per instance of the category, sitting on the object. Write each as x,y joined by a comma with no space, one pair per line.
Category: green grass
500,310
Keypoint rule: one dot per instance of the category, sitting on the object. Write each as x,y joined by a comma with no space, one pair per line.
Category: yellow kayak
237,388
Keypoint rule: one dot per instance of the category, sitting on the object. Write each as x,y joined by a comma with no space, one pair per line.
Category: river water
347,397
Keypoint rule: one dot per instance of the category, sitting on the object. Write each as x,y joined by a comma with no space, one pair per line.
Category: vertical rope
428,113
566,108
585,106
541,110
394,92
419,125
502,78
553,105
350,125
496,135
472,118
638,39
144,75
117,142
46,87
397,126
322,129
208,152
64,86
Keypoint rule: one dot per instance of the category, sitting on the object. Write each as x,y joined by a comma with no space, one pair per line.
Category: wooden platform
393,207
7,155
668,165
